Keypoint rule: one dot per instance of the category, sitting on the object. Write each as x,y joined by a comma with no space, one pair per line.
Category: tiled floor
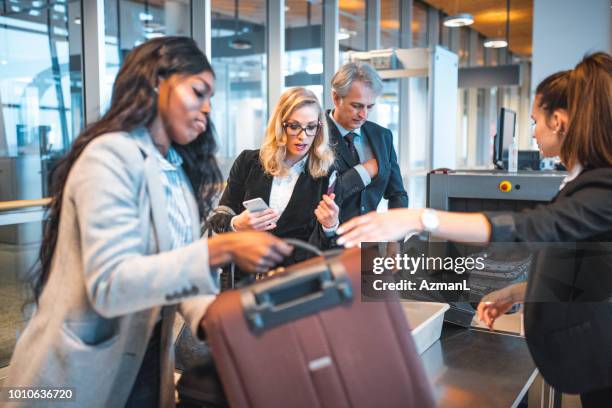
15,260
10,324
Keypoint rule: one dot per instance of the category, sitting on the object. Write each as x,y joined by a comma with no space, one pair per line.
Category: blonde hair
274,149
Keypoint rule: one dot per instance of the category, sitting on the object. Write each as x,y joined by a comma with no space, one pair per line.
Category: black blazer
248,180
568,308
352,196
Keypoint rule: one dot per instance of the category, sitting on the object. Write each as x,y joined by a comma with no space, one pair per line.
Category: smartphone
332,183
255,205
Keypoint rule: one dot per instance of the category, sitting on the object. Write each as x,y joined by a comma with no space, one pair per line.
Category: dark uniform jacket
568,309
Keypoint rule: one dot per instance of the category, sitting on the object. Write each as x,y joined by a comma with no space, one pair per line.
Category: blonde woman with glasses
290,173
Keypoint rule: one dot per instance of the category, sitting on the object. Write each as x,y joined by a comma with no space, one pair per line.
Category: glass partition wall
303,62
239,60
129,23
41,91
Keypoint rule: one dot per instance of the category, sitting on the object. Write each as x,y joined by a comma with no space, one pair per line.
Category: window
390,23
128,24
352,19
239,60
41,92
303,46
419,25
387,108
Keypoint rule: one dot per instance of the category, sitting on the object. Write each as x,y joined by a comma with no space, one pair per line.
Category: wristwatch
430,220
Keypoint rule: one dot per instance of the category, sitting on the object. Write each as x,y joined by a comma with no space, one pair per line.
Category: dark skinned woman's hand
252,251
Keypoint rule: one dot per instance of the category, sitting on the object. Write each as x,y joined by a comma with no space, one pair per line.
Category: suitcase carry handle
304,245
328,254
290,296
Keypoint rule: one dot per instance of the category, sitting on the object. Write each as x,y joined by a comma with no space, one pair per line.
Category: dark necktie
351,146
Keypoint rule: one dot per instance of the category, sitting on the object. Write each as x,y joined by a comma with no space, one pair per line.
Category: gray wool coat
112,276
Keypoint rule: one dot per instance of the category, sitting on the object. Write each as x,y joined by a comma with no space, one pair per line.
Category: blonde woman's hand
258,221
389,226
327,211
499,302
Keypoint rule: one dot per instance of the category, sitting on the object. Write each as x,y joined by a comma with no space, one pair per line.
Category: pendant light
238,43
501,42
458,19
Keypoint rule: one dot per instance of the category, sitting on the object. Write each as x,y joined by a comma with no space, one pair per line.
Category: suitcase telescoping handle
297,293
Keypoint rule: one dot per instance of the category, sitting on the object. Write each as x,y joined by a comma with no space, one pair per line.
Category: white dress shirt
576,170
282,187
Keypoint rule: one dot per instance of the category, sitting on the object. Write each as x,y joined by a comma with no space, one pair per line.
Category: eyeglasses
294,129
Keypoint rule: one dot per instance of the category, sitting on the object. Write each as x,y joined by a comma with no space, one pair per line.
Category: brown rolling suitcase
304,339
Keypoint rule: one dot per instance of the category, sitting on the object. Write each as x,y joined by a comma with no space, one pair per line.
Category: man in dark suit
366,162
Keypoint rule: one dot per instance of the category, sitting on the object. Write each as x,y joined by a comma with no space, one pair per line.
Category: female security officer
568,313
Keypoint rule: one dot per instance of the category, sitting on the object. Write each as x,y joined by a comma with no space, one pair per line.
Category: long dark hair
134,104
589,137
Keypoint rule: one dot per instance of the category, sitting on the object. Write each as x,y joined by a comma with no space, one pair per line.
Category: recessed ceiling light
495,43
459,20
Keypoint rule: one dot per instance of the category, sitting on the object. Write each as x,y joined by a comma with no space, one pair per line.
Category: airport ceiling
490,19
489,15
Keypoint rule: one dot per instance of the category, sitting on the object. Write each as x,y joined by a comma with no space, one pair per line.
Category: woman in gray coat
121,251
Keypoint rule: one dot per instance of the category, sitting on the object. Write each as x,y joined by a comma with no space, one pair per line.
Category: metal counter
477,368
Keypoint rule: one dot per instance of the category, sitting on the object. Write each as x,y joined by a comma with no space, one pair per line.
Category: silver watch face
430,220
